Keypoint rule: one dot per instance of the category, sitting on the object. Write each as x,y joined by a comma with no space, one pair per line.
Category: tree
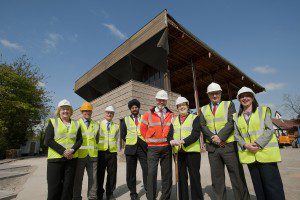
292,105
24,103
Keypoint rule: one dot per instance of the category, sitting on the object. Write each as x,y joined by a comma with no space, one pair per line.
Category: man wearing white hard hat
155,128
107,154
216,119
184,138
63,138
258,146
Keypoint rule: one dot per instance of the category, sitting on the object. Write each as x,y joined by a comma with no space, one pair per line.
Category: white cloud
275,86
41,84
52,41
264,69
115,31
73,38
11,45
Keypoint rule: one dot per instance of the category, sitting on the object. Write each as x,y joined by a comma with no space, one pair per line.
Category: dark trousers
60,178
90,164
189,162
217,160
266,181
131,165
164,156
106,161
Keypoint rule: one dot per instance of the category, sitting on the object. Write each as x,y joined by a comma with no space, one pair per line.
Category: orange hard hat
86,106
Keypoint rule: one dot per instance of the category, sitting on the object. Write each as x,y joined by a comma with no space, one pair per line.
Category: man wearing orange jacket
155,127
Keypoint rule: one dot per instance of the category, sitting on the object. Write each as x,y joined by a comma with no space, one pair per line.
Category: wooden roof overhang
183,50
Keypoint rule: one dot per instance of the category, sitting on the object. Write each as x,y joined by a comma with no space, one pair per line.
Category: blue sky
67,38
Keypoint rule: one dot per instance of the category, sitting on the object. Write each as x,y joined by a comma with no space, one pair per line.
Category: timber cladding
120,96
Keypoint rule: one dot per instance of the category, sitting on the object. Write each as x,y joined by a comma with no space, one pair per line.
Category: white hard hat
64,102
244,90
181,100
213,87
110,109
162,95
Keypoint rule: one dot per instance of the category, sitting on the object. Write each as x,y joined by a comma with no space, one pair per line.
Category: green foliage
23,102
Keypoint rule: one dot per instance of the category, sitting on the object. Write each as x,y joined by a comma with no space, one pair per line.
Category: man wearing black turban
135,148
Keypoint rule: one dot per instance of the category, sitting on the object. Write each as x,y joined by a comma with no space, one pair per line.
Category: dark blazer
131,149
224,133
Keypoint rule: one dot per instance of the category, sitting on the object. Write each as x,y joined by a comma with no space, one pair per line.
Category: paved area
36,185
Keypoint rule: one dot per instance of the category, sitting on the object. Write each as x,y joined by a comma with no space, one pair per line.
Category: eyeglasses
109,113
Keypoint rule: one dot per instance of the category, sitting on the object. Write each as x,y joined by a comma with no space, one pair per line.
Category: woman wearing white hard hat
63,138
258,146
184,138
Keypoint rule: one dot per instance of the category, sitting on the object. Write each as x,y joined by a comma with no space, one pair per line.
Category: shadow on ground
122,189
209,191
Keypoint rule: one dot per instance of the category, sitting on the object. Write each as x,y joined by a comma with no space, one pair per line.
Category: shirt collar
132,115
164,110
106,122
85,120
212,105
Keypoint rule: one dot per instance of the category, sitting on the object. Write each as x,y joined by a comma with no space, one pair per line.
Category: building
161,55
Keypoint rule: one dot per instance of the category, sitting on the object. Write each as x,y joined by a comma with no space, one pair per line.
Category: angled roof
183,49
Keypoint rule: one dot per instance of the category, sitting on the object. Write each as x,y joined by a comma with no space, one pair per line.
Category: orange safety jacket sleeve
144,125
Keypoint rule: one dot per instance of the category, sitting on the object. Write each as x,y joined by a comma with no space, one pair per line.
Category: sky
65,39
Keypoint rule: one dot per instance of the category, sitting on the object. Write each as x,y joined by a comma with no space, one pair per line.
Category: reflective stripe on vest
251,132
89,145
63,135
108,140
133,131
158,140
216,122
182,131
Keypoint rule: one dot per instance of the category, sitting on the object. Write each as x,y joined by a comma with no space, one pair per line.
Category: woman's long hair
254,107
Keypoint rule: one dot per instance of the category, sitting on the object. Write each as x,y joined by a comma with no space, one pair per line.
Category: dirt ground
36,185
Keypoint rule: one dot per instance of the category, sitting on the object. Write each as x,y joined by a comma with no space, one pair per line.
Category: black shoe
100,197
134,196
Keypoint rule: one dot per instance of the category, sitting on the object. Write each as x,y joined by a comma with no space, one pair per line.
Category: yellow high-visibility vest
108,139
216,122
182,131
133,131
251,132
89,145
63,135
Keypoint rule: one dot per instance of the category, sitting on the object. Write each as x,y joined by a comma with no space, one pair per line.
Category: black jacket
131,149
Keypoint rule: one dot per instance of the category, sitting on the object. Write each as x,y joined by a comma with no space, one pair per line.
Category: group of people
232,139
